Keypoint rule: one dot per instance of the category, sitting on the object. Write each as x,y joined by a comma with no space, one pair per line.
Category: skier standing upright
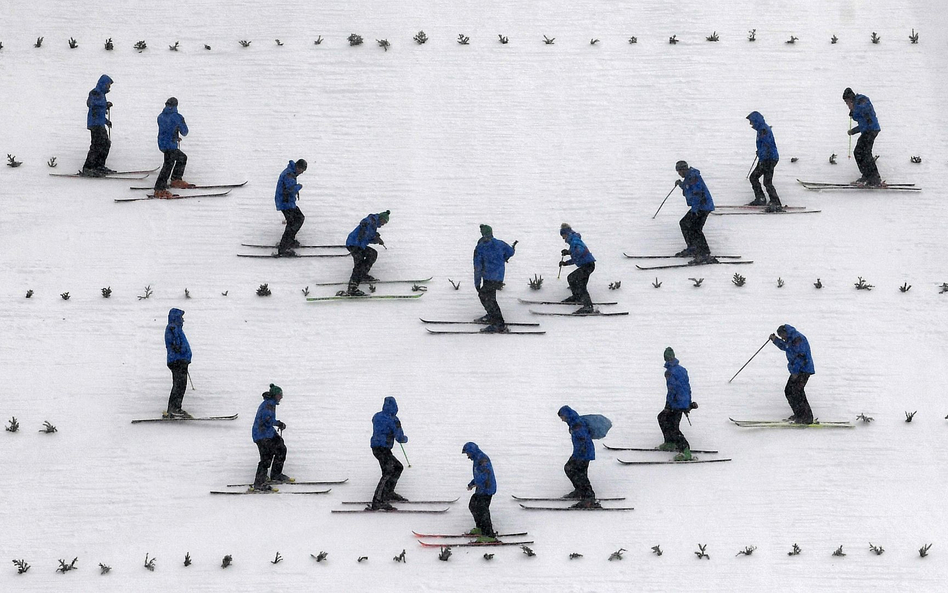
98,123
677,402
269,443
485,486
490,257
171,126
585,263
386,429
179,357
701,205
767,157
800,365
867,126
363,256
577,468
287,193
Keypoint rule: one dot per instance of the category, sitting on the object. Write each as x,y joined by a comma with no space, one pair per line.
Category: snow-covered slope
521,136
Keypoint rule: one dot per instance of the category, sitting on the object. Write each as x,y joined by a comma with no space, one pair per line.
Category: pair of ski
400,509
223,186
126,175
192,419
370,296
249,488
298,254
573,304
748,210
510,325
466,540
789,424
822,186
667,461
722,259
529,507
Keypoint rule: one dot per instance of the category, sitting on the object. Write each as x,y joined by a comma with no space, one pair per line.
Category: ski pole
560,271
108,118
191,381
849,154
688,418
751,170
748,362
663,202
405,454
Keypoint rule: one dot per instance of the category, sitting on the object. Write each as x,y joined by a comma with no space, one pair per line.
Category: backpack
597,424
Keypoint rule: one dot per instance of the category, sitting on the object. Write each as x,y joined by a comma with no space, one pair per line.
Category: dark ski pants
98,149
796,397
173,167
179,384
669,421
578,279
272,453
294,222
488,296
765,169
577,471
362,262
863,155
391,471
692,229
480,510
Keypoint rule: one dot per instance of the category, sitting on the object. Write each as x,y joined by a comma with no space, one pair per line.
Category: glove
108,122
851,132
108,104
380,241
773,337
694,406
562,263
281,425
404,439
565,252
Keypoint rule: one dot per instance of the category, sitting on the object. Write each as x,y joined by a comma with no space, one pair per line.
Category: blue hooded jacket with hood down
579,254
865,114
678,396
287,189
170,125
490,255
264,423
97,103
483,482
386,427
799,359
696,192
583,447
367,232
176,343
766,145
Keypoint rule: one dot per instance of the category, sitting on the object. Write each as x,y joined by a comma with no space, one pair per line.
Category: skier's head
171,102
669,354
383,217
176,317
783,332
565,230
682,167
390,406
301,165
848,95
486,231
470,449
756,119
274,393
568,415
105,84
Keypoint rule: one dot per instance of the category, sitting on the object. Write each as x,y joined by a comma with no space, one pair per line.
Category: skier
269,443
860,109
287,192
692,223
585,264
577,467
386,429
98,123
171,126
363,256
486,487
677,402
800,365
767,157
490,255
179,357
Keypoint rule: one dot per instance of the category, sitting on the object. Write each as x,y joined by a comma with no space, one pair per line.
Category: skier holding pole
692,223
861,110
386,429
585,263
800,365
767,158
485,486
269,443
677,403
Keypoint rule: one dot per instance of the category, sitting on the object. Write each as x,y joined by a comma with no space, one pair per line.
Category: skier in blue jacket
485,486
97,122
171,126
490,258
179,357
767,157
867,126
386,429
363,256
577,468
698,198
269,443
800,365
677,402
287,193
585,263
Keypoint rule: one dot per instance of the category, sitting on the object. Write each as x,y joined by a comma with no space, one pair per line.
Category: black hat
301,165
681,166
848,94
171,102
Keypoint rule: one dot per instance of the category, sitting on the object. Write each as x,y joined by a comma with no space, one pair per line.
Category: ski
174,197
367,502
473,544
297,255
533,508
265,492
274,246
512,332
526,302
392,511
126,175
850,186
788,424
596,314
671,461
559,498
690,265
217,186
418,281
655,449
762,212
675,256
749,207
464,535
514,324
368,297
297,483
195,419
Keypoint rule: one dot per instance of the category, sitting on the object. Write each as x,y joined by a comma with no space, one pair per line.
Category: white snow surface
521,136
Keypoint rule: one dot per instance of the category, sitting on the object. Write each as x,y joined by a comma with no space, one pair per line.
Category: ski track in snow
523,137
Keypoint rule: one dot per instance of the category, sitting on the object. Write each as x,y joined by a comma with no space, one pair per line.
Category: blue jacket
176,343
97,104
579,254
264,423
696,192
679,388
386,427
287,190
170,125
367,232
864,114
490,255
799,359
766,145
483,481
583,447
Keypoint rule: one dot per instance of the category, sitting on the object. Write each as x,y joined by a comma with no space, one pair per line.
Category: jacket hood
791,331
671,363
292,167
390,406
104,82
169,110
757,120
176,317
569,414
471,449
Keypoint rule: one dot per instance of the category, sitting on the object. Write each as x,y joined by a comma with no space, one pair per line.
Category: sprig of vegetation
465,40
73,44
141,46
150,563
713,37
913,37
147,294
617,555
64,568
14,425
354,39
21,566
701,553
264,290
875,38
109,46
738,280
